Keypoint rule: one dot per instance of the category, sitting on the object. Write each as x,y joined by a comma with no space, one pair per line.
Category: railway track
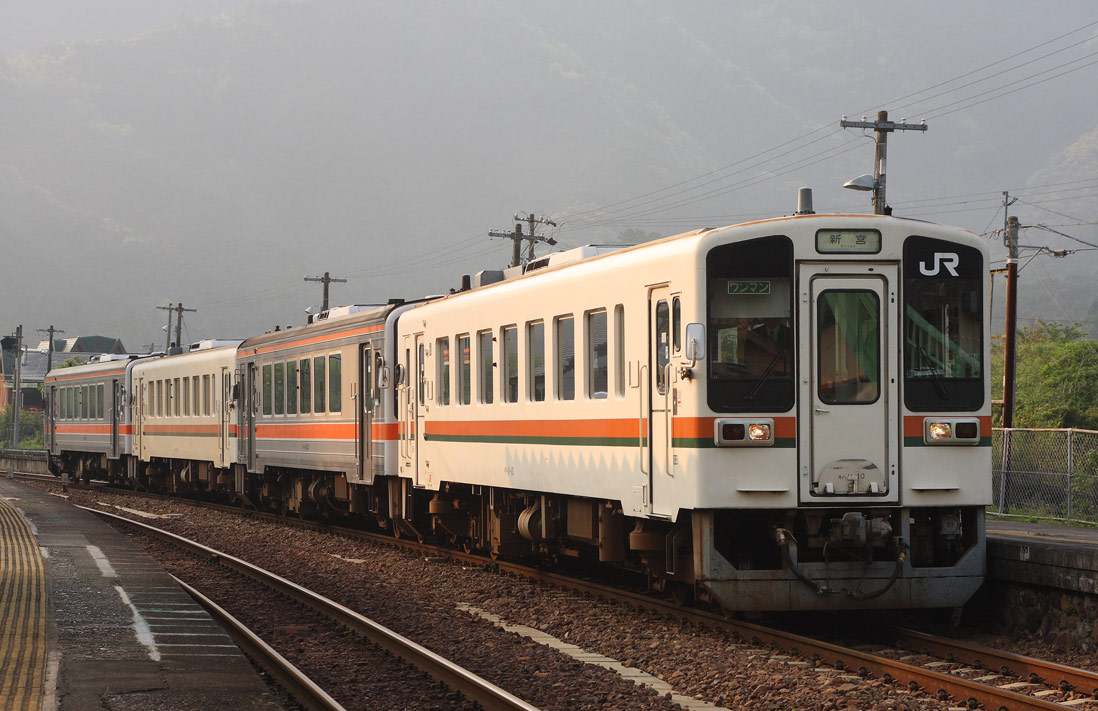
999,680
452,675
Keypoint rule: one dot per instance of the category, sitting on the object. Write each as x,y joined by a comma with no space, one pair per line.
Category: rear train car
785,415
89,424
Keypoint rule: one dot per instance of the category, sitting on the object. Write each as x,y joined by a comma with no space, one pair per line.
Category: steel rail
1007,663
944,685
304,690
439,668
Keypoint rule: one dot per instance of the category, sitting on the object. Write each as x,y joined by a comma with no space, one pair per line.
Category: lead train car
786,415
783,415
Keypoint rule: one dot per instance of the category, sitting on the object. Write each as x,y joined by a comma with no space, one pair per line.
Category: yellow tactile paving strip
22,613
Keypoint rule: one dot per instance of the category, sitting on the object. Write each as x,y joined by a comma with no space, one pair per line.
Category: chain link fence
1045,473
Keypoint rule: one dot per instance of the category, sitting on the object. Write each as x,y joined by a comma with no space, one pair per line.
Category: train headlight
940,430
951,430
744,432
759,432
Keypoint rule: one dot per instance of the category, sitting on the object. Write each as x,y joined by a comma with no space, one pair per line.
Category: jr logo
949,260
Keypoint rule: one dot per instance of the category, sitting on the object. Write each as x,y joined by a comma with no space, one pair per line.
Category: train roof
333,320
116,363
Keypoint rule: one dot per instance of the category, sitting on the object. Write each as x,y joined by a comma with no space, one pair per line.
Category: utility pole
1010,239
49,353
517,237
883,127
179,322
17,390
168,338
326,280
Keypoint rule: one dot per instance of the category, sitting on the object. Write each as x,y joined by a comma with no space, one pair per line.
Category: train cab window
306,387
598,366
943,325
291,387
485,369
535,361
279,402
565,354
268,389
509,356
319,387
849,343
442,349
335,382
749,306
464,384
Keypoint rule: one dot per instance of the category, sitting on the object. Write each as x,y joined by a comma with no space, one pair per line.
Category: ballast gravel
418,597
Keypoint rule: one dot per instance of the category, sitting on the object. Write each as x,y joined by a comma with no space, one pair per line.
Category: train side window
159,398
464,385
663,345
279,389
619,351
102,408
421,373
442,377
206,395
291,387
187,397
319,387
565,353
268,389
485,369
175,397
509,357
306,387
598,367
535,361
335,382
93,404
196,399
676,325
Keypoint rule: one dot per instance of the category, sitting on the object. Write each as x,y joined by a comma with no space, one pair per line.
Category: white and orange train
789,414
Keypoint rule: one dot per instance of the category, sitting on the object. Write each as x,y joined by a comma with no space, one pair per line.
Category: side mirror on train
236,391
695,342
383,378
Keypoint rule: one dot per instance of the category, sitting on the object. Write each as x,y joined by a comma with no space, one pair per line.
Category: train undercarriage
742,560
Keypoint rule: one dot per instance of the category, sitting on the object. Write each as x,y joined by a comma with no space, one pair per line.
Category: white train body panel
184,408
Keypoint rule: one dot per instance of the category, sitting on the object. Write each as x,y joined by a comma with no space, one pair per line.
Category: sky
692,115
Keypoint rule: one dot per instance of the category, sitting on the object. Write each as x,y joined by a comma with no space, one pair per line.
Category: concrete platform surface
90,621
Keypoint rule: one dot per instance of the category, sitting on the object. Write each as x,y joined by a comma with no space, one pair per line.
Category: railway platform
89,621
1055,556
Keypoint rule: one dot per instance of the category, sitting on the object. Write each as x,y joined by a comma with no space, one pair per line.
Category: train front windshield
749,301
943,326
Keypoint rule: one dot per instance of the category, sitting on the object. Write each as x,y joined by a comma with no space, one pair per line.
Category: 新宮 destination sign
848,241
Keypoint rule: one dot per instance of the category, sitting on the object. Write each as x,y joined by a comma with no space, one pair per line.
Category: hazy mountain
216,152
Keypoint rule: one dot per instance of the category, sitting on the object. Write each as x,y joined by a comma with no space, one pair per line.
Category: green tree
1056,377
30,429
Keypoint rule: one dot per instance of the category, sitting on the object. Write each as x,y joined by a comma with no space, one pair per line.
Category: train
787,414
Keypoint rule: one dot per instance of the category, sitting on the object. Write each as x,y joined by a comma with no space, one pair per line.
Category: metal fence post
1071,470
1003,471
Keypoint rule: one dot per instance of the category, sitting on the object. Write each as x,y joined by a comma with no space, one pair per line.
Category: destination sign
748,287
848,241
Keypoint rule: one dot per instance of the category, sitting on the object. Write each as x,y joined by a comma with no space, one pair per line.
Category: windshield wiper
939,383
765,375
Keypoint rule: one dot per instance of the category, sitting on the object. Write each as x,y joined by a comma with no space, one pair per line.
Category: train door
366,413
848,401
51,418
249,412
409,410
225,416
660,405
137,416
117,394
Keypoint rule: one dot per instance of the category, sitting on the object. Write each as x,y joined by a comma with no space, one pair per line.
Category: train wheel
682,593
